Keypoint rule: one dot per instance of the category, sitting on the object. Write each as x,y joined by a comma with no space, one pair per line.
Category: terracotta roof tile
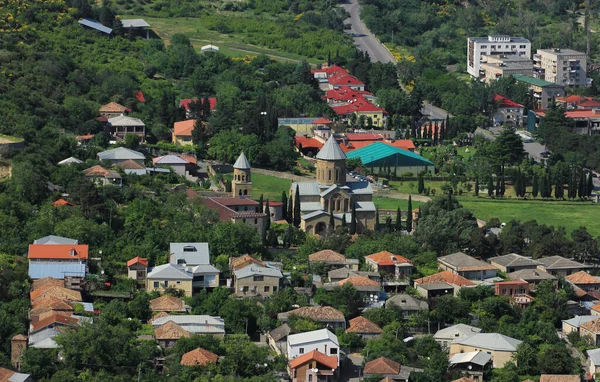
582,277
170,331
20,337
592,326
159,315
52,303
327,256
62,202
96,170
318,313
245,260
55,291
330,361
5,374
167,304
445,277
184,128
363,325
54,319
559,378
47,282
382,366
138,260
359,281
112,107
387,258
198,357
58,251
130,164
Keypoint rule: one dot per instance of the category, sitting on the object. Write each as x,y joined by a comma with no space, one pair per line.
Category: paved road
363,38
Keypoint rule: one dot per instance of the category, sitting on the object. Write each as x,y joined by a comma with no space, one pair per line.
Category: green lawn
385,203
10,138
270,187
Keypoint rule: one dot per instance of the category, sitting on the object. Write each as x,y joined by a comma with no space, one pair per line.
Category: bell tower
242,181
331,164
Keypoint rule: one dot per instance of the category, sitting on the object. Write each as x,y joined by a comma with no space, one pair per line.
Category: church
333,194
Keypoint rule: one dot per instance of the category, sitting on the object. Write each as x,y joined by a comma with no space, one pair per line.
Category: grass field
269,186
385,203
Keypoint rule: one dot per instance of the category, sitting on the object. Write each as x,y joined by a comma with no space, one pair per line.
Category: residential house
243,261
179,164
440,284
113,109
367,288
314,366
122,126
53,321
364,328
467,266
330,317
187,105
195,257
500,347
559,378
194,324
169,276
394,266
277,338
7,375
455,332
199,357
340,274
103,177
513,263
532,276
45,282
592,364
47,306
57,260
120,154
507,112
584,281
387,368
255,280
333,259
408,304
322,340
575,102
43,339
595,310
130,167
573,324
52,239
137,269
182,132
56,292
516,290
237,210
592,330
167,304
543,92
169,333
472,363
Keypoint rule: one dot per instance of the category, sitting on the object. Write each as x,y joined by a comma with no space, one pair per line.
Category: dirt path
283,175
400,195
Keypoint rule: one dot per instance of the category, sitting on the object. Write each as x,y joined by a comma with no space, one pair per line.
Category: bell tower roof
242,162
330,151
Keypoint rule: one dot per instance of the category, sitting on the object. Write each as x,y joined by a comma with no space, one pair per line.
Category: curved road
363,38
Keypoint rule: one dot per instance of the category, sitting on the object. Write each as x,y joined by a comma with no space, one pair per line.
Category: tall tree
409,216
297,207
449,205
398,220
490,186
353,220
535,185
284,205
268,213
476,187
420,183
290,211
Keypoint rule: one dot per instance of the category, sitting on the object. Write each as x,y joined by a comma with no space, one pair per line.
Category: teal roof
533,81
380,151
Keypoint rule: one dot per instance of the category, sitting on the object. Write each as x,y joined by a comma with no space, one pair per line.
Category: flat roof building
494,45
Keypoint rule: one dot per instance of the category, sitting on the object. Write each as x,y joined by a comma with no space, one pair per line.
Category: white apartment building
495,45
561,66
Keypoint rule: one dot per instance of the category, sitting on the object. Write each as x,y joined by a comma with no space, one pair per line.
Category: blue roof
91,23
56,270
379,152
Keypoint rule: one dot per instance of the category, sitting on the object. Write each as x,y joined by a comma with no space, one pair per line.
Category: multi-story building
494,67
561,66
494,45
543,92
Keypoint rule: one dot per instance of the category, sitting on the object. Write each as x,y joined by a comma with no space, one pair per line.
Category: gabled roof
54,319
52,303
592,326
530,275
463,262
245,260
503,102
344,79
52,239
379,150
514,260
308,143
46,283
138,260
385,258
7,375
559,378
457,331
61,202
382,366
445,277
406,302
123,120
491,341
321,121
594,356
477,357
55,291
315,335
327,256
170,331
58,251
329,361
242,163
582,277
170,159
317,313
358,281
199,357
362,325
280,332
167,304
70,160
578,320
169,272
331,151
184,128
129,164
96,170
120,153
255,270
189,253
113,107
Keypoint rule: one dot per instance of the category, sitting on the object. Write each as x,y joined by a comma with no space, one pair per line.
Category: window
156,284
522,47
245,289
274,289
310,378
259,278
199,278
255,221
166,283
333,351
178,282
301,351
266,289
484,47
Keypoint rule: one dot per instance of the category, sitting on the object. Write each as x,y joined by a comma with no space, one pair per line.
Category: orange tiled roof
112,107
167,304
464,379
5,374
318,313
55,291
330,361
244,261
198,357
327,255
54,319
47,282
96,170
170,331
58,251
184,128
382,366
52,303
19,337
363,325
592,326
445,277
559,378
582,277
387,258
62,202
158,315
359,281
138,260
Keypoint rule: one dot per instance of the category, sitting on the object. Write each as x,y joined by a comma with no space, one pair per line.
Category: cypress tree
353,220
289,215
582,185
558,187
398,220
490,186
376,219
263,234
268,212
517,184
502,182
543,187
297,207
420,183
476,186
289,234
260,204
331,221
344,220
449,199
409,220
572,184
388,224
535,186
498,190
284,205
590,184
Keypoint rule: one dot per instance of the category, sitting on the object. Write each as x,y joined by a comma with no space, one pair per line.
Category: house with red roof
574,102
137,268
182,132
344,79
313,366
186,104
361,107
390,264
327,71
508,112
308,146
57,260
586,121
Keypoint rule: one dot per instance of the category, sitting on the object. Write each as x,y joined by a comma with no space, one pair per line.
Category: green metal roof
380,151
532,81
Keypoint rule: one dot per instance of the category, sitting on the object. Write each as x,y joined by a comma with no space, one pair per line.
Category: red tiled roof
327,255
185,103
5,374
502,101
58,251
62,202
184,128
54,319
330,70
112,107
308,143
579,101
245,260
198,357
576,114
318,313
329,361
363,325
360,106
189,158
384,258
167,304
170,331
96,170
140,96
138,260
445,277
364,137
85,137
46,283
582,277
344,79
344,94
321,121
382,366
102,119
359,281
559,378
55,291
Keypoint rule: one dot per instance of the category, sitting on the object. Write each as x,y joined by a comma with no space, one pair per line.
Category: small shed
137,24
209,48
